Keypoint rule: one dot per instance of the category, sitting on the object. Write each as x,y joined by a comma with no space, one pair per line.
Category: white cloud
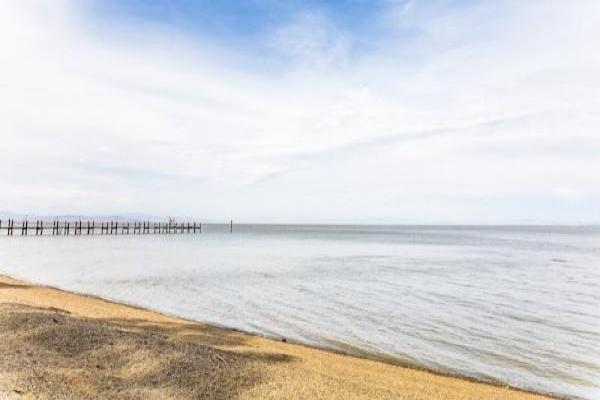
490,114
311,40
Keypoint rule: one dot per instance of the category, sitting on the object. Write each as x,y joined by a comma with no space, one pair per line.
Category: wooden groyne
89,227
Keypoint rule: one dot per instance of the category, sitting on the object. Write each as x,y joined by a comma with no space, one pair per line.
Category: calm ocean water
520,305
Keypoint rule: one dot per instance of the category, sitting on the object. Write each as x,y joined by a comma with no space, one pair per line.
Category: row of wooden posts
102,228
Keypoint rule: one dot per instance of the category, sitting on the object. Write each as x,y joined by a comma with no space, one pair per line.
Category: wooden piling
106,228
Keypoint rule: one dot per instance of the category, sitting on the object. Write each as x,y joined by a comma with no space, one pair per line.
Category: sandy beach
56,344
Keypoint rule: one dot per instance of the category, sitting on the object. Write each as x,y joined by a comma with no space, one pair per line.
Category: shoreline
224,362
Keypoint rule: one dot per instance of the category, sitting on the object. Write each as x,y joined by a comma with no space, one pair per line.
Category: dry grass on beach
60,345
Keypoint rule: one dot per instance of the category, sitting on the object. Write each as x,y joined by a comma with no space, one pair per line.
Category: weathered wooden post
41,227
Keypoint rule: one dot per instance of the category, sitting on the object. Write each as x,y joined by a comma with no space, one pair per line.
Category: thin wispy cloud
460,112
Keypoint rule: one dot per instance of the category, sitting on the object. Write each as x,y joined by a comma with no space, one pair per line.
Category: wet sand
60,345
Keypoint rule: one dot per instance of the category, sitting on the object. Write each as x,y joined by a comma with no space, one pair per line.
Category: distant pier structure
56,227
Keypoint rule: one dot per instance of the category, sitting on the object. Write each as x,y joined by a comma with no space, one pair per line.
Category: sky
350,111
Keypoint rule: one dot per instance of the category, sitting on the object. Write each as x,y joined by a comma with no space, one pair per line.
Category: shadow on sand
53,354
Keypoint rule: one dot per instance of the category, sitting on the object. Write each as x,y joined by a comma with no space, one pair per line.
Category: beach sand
60,345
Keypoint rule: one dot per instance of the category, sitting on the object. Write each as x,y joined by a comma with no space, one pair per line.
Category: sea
518,305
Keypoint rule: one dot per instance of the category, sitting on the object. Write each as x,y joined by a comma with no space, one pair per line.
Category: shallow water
520,305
